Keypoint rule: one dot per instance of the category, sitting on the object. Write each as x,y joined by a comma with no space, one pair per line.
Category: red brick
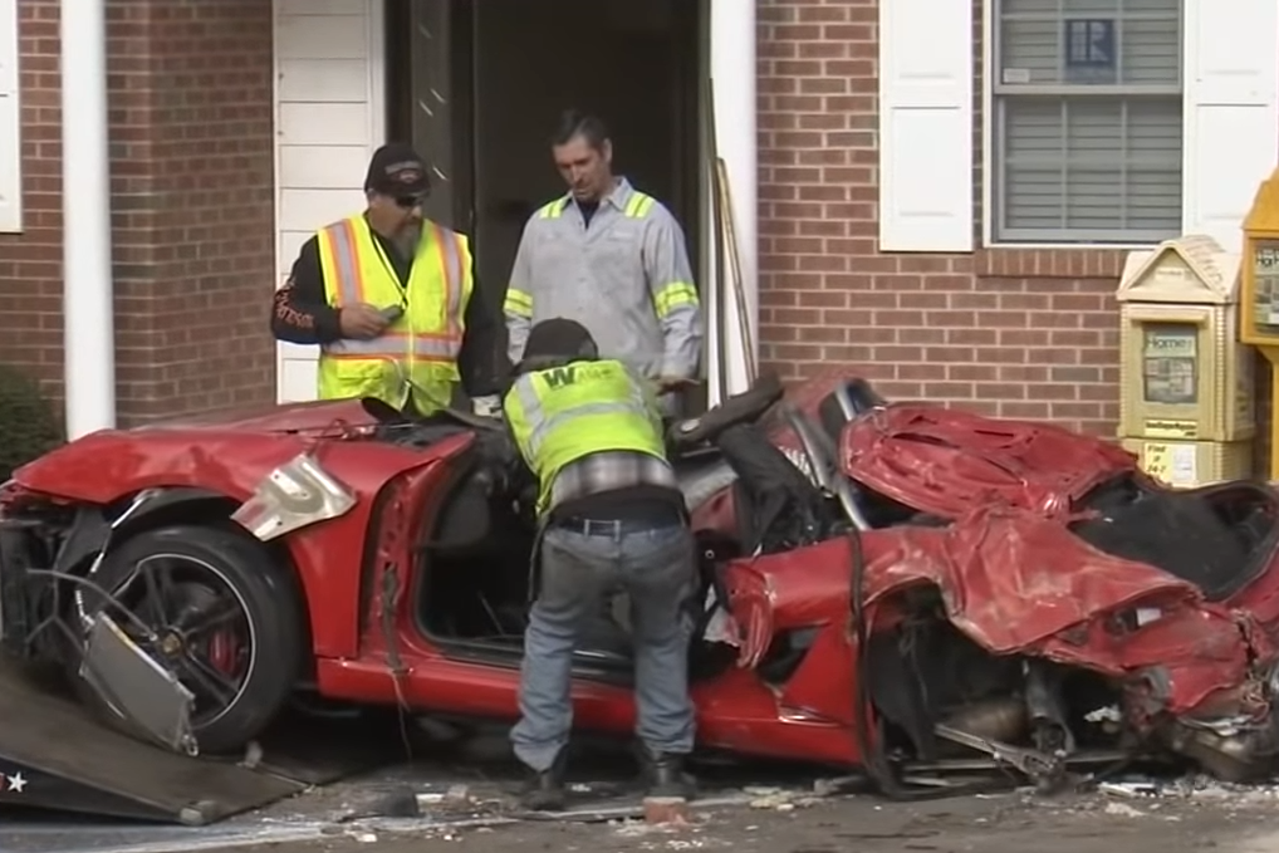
1019,333
193,223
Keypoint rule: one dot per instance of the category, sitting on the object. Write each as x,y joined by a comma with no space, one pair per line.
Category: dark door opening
478,87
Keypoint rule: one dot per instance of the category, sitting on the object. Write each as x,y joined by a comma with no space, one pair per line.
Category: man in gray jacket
613,259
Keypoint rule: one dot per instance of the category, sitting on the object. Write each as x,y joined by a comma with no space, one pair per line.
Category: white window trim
1189,63
10,121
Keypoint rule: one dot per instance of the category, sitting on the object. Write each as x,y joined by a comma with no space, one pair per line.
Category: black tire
248,579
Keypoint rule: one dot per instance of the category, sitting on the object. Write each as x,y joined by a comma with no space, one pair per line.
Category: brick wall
1025,334
31,263
193,214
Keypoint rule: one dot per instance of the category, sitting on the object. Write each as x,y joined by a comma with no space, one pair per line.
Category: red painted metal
1012,576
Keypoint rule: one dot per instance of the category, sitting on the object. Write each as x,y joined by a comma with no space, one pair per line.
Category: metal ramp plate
53,755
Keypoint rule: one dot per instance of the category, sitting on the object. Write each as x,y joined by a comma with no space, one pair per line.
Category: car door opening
474,572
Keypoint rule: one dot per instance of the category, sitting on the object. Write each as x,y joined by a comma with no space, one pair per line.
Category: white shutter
1231,111
10,122
926,126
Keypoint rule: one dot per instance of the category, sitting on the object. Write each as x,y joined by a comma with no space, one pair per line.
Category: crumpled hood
228,451
945,462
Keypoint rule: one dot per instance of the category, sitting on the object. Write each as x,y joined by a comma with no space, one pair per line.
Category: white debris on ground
1144,798
687,836
1199,787
779,799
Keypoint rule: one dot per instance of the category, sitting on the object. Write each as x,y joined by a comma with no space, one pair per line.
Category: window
1087,124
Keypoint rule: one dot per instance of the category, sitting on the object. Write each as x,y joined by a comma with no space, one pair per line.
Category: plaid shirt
607,471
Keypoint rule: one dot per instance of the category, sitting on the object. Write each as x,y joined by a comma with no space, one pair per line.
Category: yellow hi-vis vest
560,415
416,357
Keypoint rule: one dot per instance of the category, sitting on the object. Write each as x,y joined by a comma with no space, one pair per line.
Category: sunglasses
408,202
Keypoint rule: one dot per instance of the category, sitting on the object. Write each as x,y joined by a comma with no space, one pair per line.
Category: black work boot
663,775
544,791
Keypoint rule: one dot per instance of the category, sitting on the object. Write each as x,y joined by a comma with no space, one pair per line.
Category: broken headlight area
31,597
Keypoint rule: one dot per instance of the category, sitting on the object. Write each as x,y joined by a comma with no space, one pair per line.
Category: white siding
926,126
10,121
329,62
1231,112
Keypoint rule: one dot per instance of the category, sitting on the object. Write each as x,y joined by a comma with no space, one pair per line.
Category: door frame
727,56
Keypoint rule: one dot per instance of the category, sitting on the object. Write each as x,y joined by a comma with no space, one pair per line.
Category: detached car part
297,494
136,687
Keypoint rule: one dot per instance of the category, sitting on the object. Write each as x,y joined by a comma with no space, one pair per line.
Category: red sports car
885,585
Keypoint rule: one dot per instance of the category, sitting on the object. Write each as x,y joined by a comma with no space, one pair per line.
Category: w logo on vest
561,376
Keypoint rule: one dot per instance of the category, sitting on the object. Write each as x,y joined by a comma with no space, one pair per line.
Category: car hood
945,462
227,453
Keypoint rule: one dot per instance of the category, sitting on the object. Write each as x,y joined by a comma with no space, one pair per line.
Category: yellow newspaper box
1259,299
1186,406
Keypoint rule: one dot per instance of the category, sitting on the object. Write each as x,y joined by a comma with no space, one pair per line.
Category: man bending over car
610,514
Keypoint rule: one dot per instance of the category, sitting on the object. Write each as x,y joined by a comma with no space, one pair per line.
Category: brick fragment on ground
666,810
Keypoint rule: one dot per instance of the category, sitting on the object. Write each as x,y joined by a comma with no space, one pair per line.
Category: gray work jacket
626,278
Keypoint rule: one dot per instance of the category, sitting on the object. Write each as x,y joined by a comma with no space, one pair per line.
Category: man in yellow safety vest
388,295
611,514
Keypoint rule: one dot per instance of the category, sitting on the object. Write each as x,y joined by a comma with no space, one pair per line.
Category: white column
88,304
732,69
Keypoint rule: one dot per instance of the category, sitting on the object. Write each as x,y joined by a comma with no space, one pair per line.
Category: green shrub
29,426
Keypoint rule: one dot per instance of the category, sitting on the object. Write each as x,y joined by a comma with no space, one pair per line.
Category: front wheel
226,619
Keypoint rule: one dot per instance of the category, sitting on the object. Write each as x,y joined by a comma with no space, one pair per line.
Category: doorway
478,88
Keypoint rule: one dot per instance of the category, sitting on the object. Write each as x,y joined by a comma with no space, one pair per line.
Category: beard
407,238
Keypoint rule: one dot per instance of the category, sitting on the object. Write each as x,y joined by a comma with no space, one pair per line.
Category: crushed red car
885,586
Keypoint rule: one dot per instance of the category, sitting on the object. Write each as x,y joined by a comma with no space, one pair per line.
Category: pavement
1014,822
463,802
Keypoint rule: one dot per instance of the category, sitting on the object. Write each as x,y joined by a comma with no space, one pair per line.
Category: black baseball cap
397,170
560,337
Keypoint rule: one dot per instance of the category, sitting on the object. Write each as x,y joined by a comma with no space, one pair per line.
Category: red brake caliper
224,652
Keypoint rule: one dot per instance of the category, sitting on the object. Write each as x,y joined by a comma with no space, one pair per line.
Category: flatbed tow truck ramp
54,755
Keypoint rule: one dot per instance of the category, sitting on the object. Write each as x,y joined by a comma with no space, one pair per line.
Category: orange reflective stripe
346,261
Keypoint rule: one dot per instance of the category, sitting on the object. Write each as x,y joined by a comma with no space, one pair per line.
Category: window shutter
1231,111
926,126
10,122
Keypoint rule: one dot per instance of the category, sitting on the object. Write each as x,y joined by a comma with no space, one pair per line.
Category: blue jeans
656,568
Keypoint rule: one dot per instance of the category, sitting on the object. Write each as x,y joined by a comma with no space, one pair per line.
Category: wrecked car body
885,586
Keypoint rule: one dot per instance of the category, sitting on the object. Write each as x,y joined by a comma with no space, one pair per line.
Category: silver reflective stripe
341,235
453,270
395,346
540,425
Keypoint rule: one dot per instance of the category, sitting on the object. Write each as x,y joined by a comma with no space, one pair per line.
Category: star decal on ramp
12,784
